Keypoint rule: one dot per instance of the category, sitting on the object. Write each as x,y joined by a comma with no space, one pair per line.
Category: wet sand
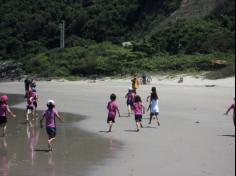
24,150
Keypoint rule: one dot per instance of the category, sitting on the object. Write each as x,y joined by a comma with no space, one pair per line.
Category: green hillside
167,35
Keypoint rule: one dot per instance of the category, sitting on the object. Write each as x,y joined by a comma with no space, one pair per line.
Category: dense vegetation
28,26
29,33
216,32
109,59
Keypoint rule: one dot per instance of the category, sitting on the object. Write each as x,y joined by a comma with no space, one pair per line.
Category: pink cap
4,98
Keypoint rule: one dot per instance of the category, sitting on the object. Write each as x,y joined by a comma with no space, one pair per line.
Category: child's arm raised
229,109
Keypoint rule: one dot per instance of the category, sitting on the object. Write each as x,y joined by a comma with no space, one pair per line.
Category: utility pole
62,35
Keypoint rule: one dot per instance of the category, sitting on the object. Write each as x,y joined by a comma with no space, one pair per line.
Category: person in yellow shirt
135,83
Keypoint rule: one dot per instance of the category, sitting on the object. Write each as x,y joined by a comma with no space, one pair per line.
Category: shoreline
156,80
188,104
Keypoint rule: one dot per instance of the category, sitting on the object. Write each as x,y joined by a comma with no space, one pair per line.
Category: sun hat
52,102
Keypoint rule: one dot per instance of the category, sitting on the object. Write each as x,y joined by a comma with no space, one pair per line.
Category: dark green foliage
30,25
189,36
216,32
108,59
30,33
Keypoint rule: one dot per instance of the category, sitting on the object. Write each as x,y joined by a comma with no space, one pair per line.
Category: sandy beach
194,139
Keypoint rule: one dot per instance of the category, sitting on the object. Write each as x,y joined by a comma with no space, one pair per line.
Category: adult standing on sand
135,83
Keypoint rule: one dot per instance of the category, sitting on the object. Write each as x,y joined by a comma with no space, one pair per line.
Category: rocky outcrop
11,71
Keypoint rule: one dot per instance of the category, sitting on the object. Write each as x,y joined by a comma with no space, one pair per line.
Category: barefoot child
154,107
232,107
4,109
112,110
130,100
35,102
29,107
139,110
50,115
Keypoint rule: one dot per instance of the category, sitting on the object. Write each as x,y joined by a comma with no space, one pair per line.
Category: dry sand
180,146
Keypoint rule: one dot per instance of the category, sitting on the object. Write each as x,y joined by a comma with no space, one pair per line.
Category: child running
232,107
4,109
112,111
50,115
139,110
130,100
30,107
154,106
154,91
35,102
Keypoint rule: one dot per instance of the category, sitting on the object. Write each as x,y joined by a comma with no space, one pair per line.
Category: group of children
135,105
49,115
31,97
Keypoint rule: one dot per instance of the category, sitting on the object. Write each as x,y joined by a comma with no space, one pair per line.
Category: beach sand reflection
24,150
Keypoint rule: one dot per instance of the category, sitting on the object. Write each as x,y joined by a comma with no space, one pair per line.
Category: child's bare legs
28,113
50,140
35,113
139,125
110,127
150,121
158,122
129,110
3,129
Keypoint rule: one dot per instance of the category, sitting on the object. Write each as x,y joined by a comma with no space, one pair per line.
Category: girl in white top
154,106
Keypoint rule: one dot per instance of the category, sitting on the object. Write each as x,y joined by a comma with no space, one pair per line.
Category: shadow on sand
131,131
233,136
42,150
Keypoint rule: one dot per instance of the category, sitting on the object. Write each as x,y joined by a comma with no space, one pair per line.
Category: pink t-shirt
35,96
50,116
138,108
130,96
112,108
30,102
3,110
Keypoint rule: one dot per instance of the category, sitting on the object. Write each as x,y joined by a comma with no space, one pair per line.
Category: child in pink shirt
112,108
29,107
35,102
4,109
139,110
130,100
50,115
